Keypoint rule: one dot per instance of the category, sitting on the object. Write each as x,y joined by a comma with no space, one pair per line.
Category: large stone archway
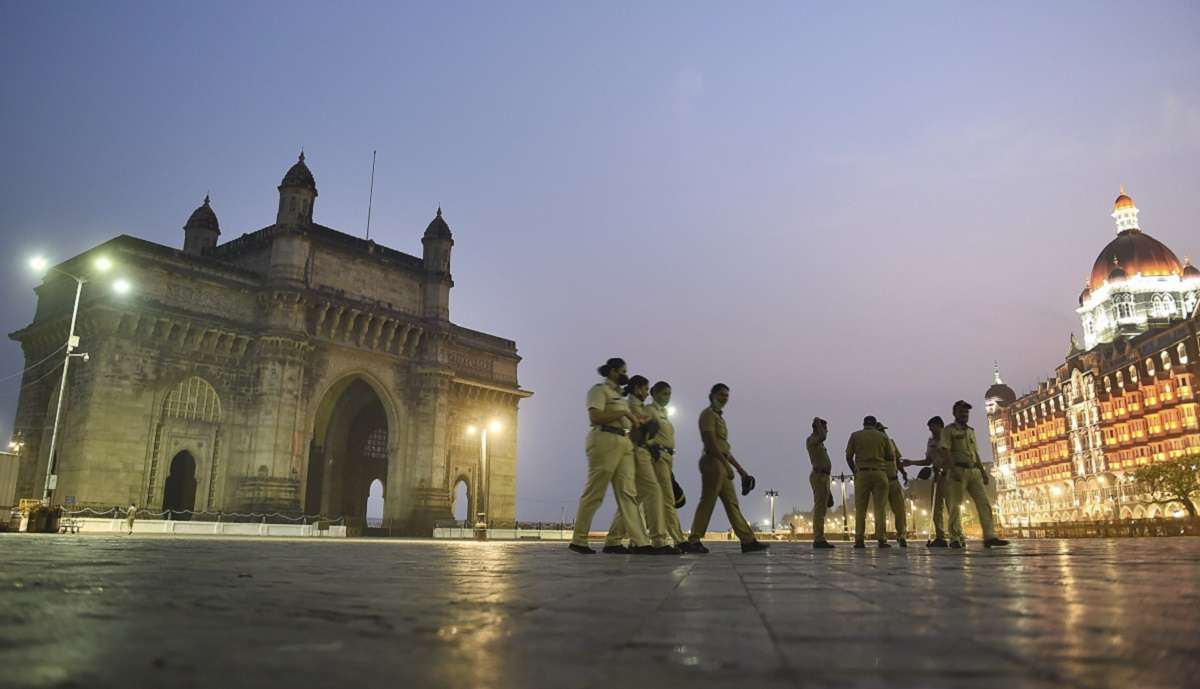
350,448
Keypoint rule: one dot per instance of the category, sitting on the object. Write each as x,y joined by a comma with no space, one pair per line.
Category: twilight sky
834,211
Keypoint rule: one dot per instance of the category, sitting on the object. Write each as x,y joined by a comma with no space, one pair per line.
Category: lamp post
483,485
845,519
771,495
120,286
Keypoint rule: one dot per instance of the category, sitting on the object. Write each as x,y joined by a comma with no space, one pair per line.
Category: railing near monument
1125,528
205,515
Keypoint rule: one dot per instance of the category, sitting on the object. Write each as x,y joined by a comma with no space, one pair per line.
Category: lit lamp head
103,264
122,286
38,264
472,430
495,426
670,410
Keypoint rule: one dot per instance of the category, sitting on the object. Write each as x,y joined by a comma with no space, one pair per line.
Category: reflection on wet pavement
98,611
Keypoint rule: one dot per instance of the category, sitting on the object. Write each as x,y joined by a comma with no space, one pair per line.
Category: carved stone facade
283,371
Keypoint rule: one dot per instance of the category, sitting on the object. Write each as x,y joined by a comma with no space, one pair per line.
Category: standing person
966,474
130,516
716,477
818,478
661,445
868,453
895,469
649,494
610,460
937,463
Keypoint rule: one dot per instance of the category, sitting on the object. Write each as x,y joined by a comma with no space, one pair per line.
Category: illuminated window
1181,353
1124,304
375,446
1166,361
1150,367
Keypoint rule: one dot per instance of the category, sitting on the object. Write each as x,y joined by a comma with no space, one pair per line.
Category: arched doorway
375,504
179,492
461,502
348,452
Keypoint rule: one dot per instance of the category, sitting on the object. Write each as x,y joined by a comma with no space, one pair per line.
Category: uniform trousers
970,482
870,486
896,502
650,496
663,468
939,506
716,485
610,463
820,489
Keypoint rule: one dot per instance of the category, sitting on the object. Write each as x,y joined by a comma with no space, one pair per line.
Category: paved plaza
134,612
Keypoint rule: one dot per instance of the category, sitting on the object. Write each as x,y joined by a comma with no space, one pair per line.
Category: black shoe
822,544
903,543
937,543
667,550
615,550
642,550
885,544
581,549
956,544
994,543
696,548
858,543
754,547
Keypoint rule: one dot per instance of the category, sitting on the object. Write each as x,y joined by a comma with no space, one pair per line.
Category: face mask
623,380
718,404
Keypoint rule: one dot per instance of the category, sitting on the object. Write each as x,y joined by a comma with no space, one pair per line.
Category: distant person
717,465
818,478
867,453
895,470
610,460
130,516
661,445
649,494
936,461
966,474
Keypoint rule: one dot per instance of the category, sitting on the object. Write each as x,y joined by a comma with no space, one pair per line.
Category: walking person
649,494
661,445
130,516
966,475
610,460
895,469
717,465
936,461
867,453
818,478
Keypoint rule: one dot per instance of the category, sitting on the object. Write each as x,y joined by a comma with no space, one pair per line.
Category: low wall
196,528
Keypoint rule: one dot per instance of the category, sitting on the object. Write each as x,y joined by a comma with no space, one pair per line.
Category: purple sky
835,212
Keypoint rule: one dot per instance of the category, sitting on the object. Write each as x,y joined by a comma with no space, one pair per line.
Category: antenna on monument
371,196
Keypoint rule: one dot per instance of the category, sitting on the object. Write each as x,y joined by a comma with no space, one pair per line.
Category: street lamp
771,495
41,265
482,486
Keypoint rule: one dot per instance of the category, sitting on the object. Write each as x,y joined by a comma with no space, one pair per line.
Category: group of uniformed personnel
952,454
631,446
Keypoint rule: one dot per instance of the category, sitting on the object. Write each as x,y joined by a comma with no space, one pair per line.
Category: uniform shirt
870,449
933,453
892,468
666,431
959,441
607,396
818,455
712,420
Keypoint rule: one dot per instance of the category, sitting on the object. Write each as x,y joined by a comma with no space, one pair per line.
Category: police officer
662,451
716,475
649,493
610,460
966,475
868,453
895,470
937,463
818,478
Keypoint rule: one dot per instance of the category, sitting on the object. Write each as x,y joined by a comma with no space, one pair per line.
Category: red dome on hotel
1134,252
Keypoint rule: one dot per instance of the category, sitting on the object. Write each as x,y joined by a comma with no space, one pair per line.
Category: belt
613,430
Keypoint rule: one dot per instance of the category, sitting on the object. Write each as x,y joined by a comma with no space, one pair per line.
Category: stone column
426,496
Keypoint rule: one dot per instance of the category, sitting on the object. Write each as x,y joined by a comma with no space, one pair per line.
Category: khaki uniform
663,468
818,478
965,476
871,451
896,494
717,484
610,462
649,494
938,462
